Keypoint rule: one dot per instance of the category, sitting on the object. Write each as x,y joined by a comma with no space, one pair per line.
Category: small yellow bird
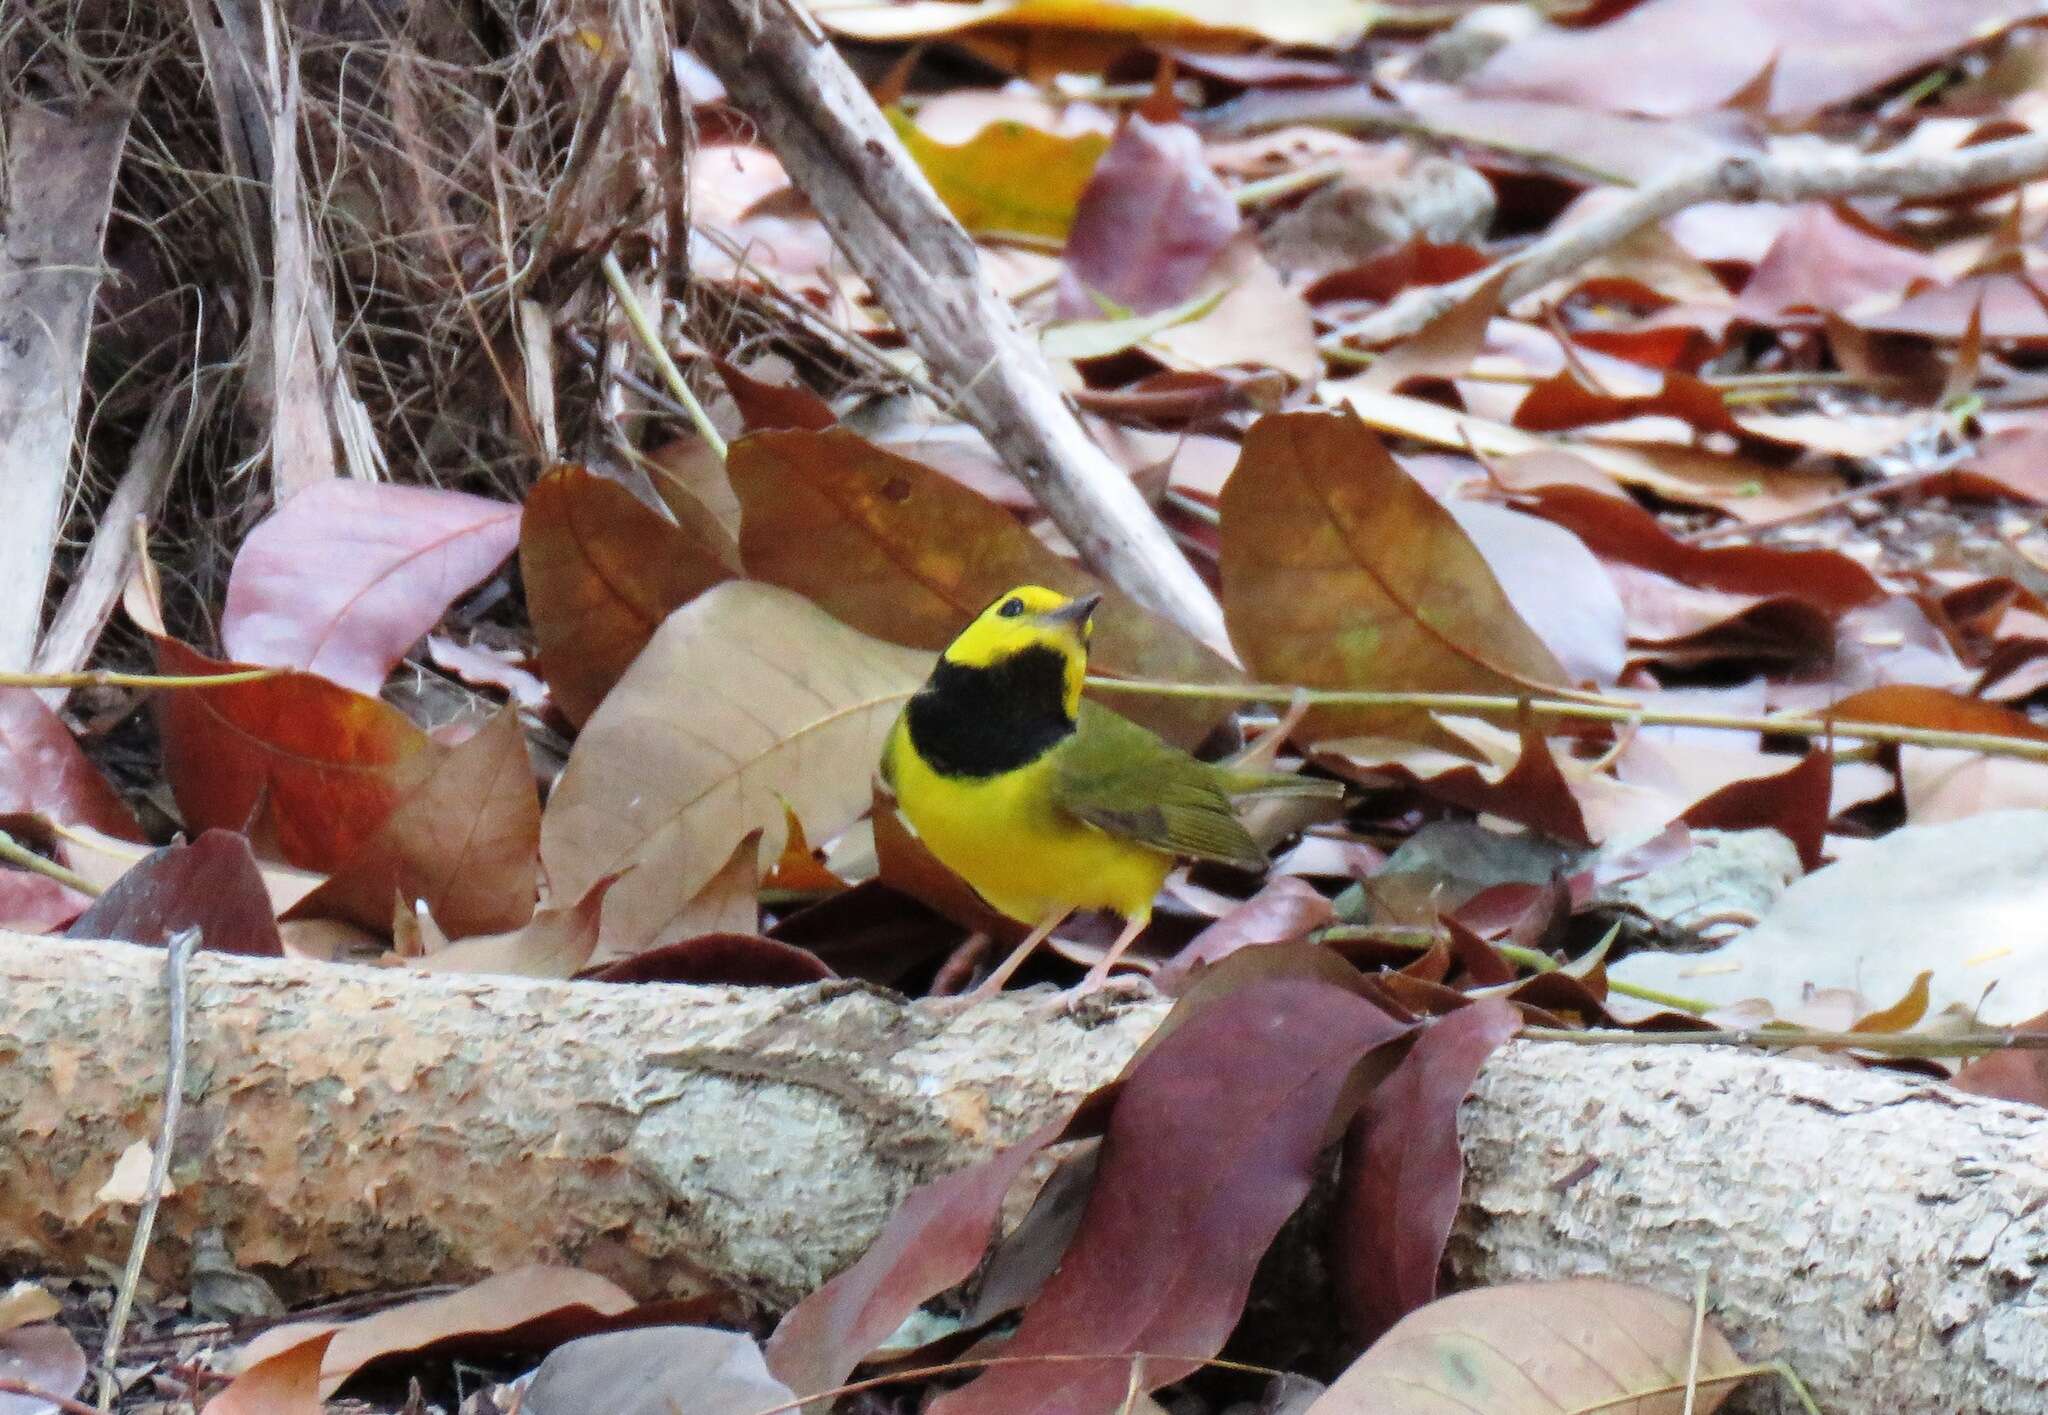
1047,804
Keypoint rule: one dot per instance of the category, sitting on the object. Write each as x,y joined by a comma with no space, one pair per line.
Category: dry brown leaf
602,569
746,697
1540,1348
1341,571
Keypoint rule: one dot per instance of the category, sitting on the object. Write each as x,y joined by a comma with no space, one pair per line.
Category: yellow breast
1004,835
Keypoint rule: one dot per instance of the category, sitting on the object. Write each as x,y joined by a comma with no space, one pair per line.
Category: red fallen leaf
211,884
1564,401
1181,1214
766,406
1825,260
934,1240
1620,530
731,959
1284,911
1676,623
1794,803
347,575
1532,789
327,765
43,772
602,570
466,844
1403,1171
2009,1075
1670,339
1420,262
1152,221
1484,967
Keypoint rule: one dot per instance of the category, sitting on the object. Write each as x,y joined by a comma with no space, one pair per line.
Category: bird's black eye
1012,607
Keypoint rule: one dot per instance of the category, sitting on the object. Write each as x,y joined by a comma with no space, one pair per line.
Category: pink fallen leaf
1151,223
346,576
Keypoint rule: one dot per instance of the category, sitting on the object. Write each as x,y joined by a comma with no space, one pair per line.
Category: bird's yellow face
1030,617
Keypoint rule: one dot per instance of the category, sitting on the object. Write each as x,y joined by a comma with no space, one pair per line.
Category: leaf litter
1786,456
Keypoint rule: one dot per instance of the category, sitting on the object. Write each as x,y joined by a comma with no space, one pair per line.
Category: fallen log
355,1127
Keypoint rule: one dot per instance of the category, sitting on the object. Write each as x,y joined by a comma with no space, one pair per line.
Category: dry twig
884,214
1743,178
177,960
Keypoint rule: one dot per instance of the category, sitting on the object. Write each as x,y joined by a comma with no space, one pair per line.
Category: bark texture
357,1127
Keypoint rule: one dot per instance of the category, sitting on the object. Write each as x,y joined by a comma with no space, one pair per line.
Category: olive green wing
1119,777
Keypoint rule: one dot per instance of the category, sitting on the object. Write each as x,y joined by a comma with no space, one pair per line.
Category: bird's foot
1096,999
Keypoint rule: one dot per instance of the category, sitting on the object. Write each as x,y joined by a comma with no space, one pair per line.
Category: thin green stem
100,678
16,853
1530,958
1787,1037
650,340
1286,184
1799,1390
1590,709
1194,507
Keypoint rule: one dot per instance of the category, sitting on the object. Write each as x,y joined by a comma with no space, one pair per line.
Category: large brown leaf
325,765
1264,1051
345,576
907,554
283,1381
1621,530
602,570
1341,571
1540,1348
465,844
529,1306
748,698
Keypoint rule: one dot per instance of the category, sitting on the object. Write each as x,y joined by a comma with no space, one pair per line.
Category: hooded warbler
1044,803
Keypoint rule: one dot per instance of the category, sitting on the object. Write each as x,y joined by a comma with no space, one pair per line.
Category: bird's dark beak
1074,613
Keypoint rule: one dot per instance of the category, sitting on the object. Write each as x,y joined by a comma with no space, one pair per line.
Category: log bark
356,1127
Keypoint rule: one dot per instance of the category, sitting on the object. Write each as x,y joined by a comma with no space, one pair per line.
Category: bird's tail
1282,783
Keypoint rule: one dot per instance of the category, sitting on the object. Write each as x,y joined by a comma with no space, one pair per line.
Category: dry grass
456,158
